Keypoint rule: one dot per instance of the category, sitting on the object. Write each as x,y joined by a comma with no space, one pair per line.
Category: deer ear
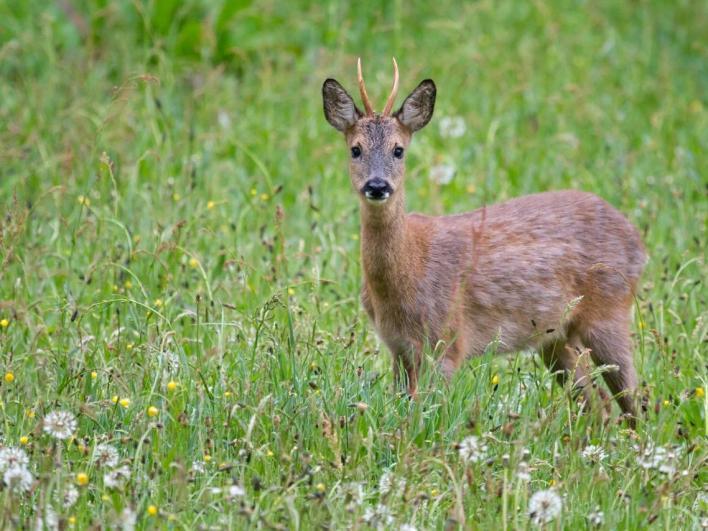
417,110
339,108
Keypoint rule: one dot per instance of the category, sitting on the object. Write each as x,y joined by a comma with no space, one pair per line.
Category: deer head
377,142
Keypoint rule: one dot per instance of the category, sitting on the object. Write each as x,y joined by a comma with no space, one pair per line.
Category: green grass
176,208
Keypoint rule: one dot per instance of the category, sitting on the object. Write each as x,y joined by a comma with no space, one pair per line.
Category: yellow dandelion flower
667,403
127,284
114,399
254,192
94,375
495,379
552,483
4,323
30,413
152,510
24,440
291,291
207,458
270,453
264,197
158,303
82,479
129,346
172,385
193,263
700,392
9,376
320,487
152,411
84,201
434,492
211,204
106,497
125,402
176,197
72,520
227,394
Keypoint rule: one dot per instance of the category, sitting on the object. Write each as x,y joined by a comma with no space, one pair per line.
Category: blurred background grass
165,164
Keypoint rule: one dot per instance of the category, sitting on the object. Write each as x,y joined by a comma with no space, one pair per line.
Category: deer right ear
339,108
417,110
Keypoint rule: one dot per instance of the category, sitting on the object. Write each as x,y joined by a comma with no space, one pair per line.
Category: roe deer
554,271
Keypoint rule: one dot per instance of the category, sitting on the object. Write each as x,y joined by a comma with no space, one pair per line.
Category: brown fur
505,274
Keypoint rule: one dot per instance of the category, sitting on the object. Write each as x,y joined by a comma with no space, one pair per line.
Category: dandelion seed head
593,454
544,506
18,479
60,424
105,455
12,457
452,126
472,449
116,479
596,518
379,517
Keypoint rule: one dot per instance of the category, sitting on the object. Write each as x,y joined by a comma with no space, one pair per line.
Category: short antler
394,90
362,90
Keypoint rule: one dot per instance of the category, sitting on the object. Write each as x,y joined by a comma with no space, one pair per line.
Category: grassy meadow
179,264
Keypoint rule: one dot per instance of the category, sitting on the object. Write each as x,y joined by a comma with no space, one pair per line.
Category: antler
394,90
362,90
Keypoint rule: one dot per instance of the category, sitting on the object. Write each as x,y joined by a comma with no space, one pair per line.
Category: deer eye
398,152
356,152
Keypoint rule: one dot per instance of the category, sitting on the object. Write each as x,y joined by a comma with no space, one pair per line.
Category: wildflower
210,205
158,303
264,197
60,424
127,519
152,510
12,457
658,458
472,450
4,323
84,201
18,479
176,197
355,492
47,520
105,455
71,495
593,454
495,379
235,491
522,471
379,517
544,506
94,375
596,518
442,173
198,467
116,479
127,284
125,402
171,385
320,487
388,483
193,263
71,520
9,376
152,411
24,440
452,126
82,479
700,392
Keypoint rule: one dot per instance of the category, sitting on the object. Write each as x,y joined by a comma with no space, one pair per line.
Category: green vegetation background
176,208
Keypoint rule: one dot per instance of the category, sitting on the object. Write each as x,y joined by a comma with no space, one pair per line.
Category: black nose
377,188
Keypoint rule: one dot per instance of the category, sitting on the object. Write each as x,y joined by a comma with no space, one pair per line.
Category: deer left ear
417,109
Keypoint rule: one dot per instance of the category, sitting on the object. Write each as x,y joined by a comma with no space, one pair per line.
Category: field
179,264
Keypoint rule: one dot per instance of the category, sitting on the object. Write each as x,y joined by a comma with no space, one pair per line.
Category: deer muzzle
376,190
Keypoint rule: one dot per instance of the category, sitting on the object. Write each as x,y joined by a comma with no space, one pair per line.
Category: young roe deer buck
554,271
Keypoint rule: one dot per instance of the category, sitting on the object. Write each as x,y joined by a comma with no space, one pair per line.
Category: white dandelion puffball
71,495
105,455
593,454
472,449
116,479
60,424
452,126
442,173
18,479
379,517
235,491
11,457
544,507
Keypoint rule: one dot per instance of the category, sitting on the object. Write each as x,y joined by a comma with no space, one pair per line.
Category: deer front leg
406,365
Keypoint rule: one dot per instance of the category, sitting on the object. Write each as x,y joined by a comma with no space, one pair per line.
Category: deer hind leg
609,343
406,365
562,357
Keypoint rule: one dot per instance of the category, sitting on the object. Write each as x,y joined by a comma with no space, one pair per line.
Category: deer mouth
377,191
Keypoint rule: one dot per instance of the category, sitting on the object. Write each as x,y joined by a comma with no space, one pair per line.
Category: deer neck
384,245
